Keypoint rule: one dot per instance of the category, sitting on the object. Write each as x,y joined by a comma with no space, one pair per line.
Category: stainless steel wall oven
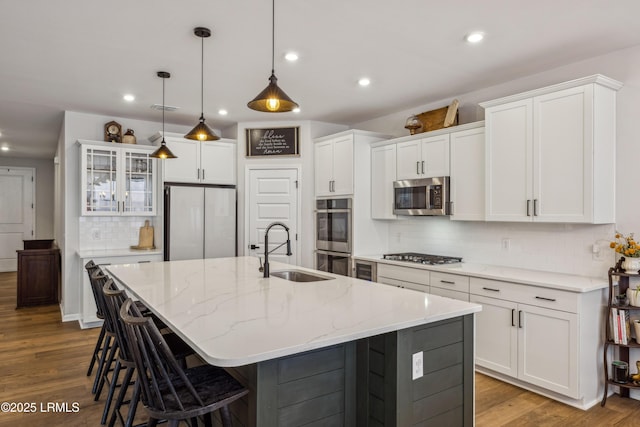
334,235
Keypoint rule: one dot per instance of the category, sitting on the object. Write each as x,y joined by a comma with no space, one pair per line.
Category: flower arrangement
626,245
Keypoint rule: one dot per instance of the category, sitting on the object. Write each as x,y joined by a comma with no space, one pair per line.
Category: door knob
254,247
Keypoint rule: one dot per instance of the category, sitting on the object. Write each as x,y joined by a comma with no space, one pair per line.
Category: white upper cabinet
209,162
466,185
383,173
550,153
333,160
423,158
117,179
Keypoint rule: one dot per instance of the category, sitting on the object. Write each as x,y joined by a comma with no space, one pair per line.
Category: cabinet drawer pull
107,263
448,282
520,319
513,314
142,262
546,299
491,289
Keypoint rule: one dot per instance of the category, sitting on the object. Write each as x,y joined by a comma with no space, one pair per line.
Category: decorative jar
129,137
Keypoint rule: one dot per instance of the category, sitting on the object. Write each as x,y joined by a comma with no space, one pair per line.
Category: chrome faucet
265,268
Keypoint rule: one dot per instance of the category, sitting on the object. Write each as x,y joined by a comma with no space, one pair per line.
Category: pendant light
163,151
272,99
202,132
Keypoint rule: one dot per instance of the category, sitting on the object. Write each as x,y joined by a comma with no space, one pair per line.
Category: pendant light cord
202,77
163,107
273,35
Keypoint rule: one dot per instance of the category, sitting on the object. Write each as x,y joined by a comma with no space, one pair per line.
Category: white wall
76,231
553,247
308,131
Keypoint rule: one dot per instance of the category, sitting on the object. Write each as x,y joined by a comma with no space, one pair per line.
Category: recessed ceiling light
223,112
129,98
4,148
364,81
291,56
296,110
474,37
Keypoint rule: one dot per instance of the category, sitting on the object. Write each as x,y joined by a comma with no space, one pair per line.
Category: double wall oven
334,235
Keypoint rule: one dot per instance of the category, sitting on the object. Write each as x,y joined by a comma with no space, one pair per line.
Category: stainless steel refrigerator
199,221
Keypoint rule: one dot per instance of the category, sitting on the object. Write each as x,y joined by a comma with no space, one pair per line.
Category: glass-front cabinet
117,179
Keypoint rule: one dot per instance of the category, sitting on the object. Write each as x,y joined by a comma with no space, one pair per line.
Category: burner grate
422,258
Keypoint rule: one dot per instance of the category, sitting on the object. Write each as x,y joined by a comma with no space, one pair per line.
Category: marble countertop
232,316
546,279
104,253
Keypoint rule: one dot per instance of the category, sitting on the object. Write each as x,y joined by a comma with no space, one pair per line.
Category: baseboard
68,317
87,325
576,403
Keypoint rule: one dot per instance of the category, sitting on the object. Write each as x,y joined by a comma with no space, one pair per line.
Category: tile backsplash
561,248
110,232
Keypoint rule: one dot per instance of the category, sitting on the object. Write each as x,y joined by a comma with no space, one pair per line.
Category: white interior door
17,207
273,197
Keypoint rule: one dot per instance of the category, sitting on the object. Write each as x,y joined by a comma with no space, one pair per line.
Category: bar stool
114,299
91,267
104,357
169,391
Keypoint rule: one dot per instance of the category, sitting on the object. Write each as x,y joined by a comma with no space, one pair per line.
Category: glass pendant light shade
163,151
202,132
272,99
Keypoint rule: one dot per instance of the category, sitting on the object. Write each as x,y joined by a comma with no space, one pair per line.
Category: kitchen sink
299,276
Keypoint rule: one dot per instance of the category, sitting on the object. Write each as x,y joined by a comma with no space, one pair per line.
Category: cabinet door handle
448,282
513,315
535,207
528,207
546,299
491,289
417,168
520,319
423,167
202,173
198,172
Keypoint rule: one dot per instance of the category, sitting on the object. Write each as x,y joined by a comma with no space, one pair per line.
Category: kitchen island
333,352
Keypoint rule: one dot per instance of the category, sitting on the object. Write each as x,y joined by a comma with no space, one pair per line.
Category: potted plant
630,250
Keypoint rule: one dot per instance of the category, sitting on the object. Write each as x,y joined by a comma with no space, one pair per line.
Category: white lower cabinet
403,277
88,317
540,338
449,285
532,343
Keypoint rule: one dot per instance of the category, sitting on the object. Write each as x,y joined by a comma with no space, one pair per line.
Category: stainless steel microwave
424,196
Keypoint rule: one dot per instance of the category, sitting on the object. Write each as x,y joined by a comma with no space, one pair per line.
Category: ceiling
84,55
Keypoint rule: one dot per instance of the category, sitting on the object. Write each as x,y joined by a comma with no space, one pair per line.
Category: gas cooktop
422,258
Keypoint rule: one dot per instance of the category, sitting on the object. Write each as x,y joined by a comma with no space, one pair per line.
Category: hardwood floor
45,360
